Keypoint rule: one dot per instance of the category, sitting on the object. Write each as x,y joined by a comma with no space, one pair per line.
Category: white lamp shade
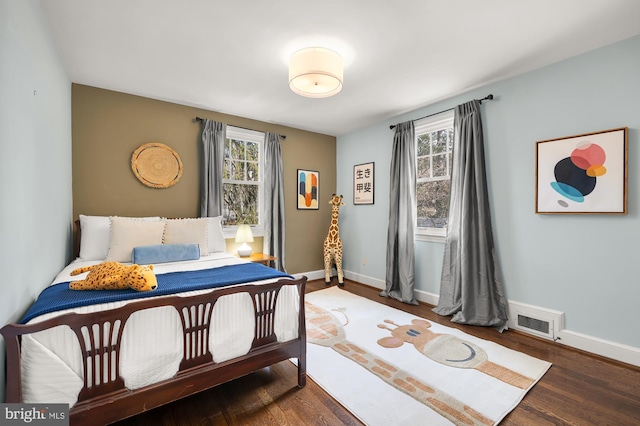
316,72
244,236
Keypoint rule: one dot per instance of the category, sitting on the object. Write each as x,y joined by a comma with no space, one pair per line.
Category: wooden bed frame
109,400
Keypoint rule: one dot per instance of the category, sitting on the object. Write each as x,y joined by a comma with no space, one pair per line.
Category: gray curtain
402,196
211,195
470,288
273,200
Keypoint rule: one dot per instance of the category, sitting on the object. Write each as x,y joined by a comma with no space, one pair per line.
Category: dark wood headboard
76,238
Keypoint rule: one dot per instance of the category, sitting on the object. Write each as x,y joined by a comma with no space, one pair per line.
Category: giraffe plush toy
333,243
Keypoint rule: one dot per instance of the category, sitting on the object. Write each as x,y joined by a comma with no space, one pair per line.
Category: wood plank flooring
579,389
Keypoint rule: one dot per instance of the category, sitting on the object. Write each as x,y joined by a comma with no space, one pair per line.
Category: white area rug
389,367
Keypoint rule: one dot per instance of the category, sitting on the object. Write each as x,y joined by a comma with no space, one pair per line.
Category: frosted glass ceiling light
315,72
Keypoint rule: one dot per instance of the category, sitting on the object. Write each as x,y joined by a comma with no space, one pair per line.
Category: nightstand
265,259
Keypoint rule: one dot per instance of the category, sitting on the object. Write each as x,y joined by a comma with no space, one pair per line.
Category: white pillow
94,237
127,233
216,240
187,231
95,232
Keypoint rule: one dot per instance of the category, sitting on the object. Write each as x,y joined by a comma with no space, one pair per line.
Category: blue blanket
58,296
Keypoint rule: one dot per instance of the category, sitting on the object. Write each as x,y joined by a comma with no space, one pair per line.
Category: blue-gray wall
583,265
35,160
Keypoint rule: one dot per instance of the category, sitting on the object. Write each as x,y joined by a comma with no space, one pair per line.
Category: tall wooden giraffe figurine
333,243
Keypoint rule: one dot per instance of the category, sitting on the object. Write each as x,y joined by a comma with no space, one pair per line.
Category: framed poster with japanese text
363,183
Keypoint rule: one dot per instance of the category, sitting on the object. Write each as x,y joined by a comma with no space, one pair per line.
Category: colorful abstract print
576,175
307,190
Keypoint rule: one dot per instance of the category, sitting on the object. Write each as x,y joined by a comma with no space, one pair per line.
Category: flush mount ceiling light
315,72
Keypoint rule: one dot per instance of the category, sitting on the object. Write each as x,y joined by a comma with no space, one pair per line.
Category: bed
113,354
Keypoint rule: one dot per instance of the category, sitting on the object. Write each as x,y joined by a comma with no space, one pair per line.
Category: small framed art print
363,183
308,184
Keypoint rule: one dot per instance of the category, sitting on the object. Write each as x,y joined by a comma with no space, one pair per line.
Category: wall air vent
534,320
540,326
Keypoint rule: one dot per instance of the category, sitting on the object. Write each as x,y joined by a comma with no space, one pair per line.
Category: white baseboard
311,275
617,351
364,279
422,296
426,297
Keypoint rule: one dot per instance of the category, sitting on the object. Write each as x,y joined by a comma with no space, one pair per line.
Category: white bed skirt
152,341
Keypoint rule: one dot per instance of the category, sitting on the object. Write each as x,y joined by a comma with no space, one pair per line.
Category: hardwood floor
579,389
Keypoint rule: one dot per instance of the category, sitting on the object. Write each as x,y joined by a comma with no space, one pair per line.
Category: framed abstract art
308,183
582,174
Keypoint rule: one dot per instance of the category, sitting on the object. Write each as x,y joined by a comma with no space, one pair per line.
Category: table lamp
244,236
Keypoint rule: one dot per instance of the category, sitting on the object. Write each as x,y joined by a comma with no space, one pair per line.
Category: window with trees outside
242,177
434,149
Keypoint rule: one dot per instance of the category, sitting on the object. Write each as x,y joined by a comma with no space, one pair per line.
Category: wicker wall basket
156,165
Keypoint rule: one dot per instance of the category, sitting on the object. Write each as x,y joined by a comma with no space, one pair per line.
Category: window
242,177
434,148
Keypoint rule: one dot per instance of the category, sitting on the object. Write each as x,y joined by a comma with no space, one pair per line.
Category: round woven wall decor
156,165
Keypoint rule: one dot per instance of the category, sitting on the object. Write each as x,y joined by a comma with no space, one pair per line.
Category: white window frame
248,135
422,126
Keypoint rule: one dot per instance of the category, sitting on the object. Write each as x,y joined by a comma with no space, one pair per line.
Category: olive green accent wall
108,126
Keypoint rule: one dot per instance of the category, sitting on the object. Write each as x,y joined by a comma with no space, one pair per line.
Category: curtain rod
239,127
486,98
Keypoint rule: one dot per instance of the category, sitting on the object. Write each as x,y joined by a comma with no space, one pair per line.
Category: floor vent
534,320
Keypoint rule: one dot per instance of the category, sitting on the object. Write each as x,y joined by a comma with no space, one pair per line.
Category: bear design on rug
449,350
325,329
115,276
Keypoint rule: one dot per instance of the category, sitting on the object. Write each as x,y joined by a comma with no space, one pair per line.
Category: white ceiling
231,56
